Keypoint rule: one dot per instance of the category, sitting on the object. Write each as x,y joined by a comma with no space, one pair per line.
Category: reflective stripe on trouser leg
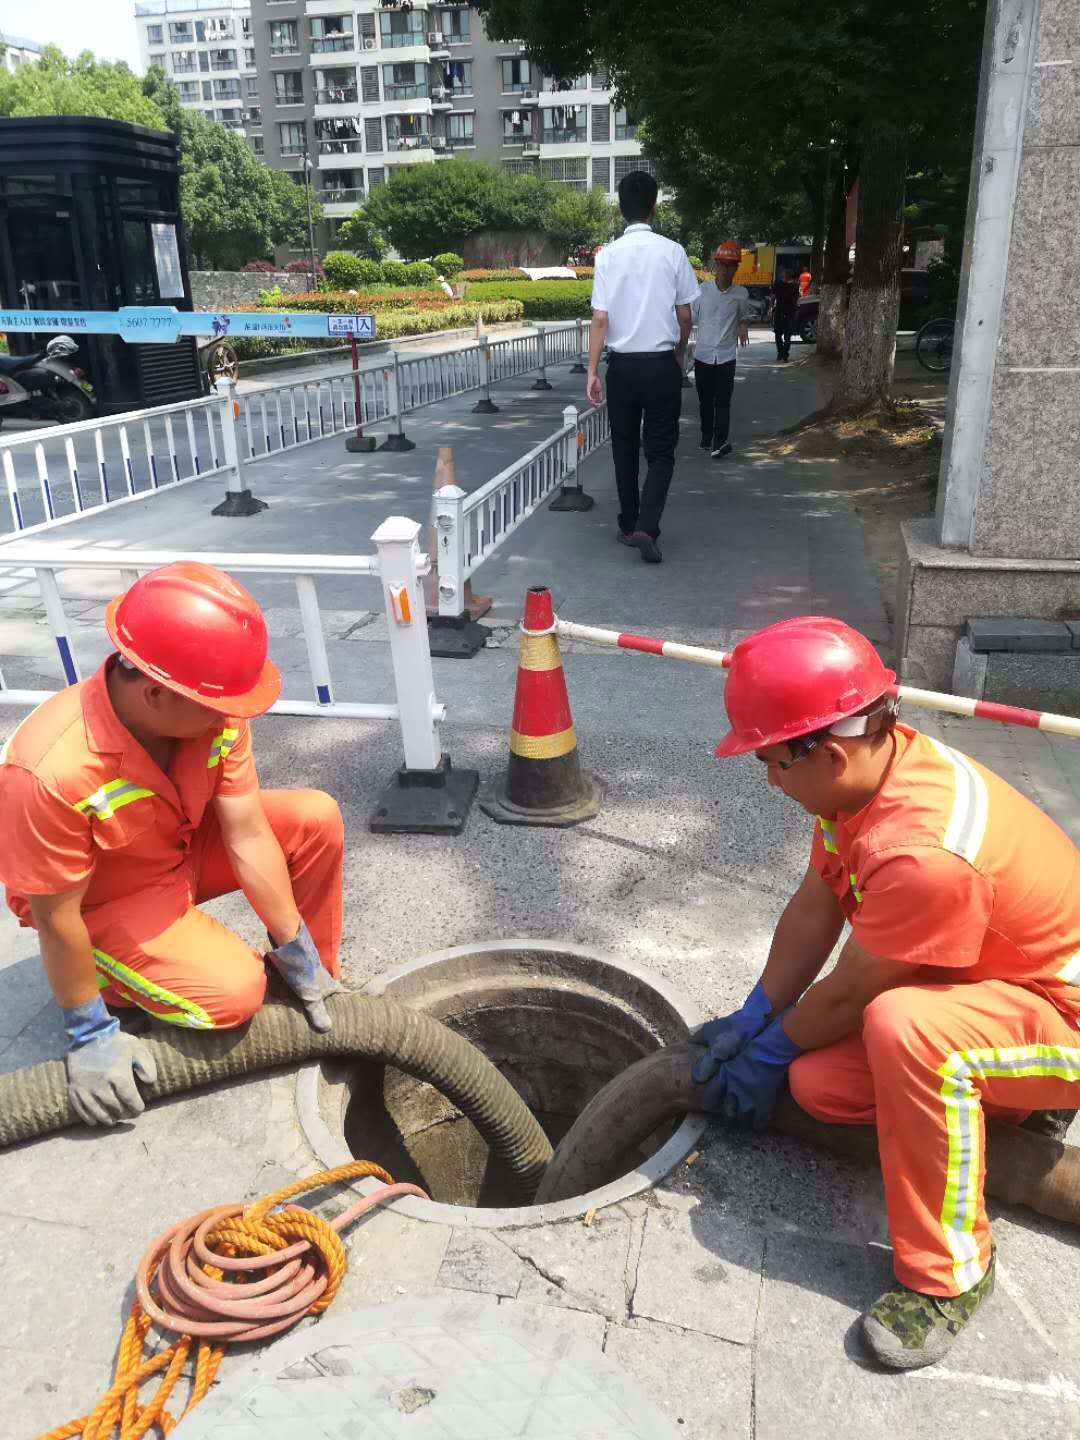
144,993
966,1164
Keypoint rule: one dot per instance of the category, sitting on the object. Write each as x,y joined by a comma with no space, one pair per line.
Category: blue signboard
163,324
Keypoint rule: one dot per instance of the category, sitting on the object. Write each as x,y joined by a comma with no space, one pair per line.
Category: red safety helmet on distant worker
729,250
798,676
198,632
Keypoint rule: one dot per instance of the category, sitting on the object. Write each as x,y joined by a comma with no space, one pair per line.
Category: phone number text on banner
160,325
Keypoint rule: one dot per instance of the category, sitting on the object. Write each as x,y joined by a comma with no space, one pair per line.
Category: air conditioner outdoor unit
436,40
438,142
528,94
438,92
369,42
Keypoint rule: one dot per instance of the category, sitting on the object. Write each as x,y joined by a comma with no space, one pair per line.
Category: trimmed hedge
481,275
448,264
542,299
357,302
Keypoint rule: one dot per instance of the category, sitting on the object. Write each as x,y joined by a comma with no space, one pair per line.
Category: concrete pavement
729,1292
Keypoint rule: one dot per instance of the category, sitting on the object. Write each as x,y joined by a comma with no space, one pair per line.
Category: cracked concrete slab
704,1384
580,1266
699,1271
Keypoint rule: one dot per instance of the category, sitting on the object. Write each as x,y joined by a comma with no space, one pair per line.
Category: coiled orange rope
224,1275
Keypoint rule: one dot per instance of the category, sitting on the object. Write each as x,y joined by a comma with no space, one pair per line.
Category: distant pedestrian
785,302
805,281
643,288
723,322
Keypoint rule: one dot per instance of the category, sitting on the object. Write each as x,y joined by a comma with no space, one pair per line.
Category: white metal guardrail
398,564
470,528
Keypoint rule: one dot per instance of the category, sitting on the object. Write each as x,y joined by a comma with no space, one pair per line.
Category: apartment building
348,91
205,48
18,51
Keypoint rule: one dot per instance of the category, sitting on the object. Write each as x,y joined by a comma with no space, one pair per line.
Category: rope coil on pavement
220,1277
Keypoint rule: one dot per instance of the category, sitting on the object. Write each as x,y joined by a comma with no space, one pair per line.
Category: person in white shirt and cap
722,311
643,288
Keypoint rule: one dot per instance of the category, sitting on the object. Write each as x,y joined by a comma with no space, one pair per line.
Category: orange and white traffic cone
544,782
475,605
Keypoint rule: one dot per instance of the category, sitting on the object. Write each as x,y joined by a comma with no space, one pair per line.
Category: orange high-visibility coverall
82,799
952,870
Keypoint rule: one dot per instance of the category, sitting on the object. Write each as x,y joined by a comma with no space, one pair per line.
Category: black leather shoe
624,538
650,550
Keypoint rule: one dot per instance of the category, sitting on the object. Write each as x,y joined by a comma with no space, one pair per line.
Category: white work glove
102,1066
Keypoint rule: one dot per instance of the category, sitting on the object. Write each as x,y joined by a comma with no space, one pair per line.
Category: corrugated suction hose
1022,1168
34,1101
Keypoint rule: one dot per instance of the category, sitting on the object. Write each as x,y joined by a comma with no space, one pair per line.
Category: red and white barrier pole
925,699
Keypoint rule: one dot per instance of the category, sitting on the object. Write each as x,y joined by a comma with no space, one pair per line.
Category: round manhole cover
433,1369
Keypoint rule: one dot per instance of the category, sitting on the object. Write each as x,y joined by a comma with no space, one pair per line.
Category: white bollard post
238,500
572,496
485,405
453,633
397,439
428,796
541,345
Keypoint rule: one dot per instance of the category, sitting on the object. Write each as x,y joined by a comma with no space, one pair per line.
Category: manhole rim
332,1151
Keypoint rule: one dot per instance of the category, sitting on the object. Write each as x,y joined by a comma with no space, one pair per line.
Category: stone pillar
1005,540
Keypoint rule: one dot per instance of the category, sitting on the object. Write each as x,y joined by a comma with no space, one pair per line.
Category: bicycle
934,344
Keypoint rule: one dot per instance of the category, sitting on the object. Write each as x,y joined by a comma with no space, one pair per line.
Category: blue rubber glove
726,1036
103,1064
307,977
745,1088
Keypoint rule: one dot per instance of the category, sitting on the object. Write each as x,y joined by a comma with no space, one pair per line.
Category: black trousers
715,384
644,395
782,327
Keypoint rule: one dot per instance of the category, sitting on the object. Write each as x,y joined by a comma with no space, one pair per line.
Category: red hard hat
200,633
728,250
796,677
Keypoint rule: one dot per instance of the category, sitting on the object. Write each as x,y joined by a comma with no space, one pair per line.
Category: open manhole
558,1020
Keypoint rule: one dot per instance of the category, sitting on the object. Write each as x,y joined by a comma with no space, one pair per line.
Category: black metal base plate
457,637
239,503
578,370
426,802
399,443
572,500
360,444
485,407
541,385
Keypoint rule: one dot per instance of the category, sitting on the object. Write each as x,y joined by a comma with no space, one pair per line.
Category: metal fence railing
470,528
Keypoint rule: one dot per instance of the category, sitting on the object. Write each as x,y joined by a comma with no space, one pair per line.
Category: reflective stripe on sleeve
220,746
966,827
104,803
828,834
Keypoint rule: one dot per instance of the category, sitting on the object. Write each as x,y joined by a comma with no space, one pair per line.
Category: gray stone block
700,1271
1073,627
1041,682
477,1260
969,671
705,1385
580,1266
1009,633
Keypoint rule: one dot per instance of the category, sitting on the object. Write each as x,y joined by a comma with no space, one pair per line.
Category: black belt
640,354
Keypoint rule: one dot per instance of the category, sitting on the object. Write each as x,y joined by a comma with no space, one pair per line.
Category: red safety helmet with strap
728,250
199,633
796,677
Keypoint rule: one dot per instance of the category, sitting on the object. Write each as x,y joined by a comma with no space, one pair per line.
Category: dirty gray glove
103,1064
299,966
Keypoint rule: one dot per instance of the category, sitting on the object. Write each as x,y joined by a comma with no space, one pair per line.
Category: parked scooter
46,385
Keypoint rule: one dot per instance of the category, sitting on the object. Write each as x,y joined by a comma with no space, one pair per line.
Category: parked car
914,297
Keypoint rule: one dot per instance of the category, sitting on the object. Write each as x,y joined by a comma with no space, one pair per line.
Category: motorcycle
46,385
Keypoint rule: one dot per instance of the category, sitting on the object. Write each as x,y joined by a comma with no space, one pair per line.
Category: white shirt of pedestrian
718,315
639,279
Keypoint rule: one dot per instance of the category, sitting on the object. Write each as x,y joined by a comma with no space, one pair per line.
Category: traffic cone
475,605
544,782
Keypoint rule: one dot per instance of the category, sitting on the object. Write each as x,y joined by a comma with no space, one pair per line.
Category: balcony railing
224,65
563,137
347,195
232,124
406,92
337,95
286,47
340,147
291,152
296,98
185,69
403,39
333,44
409,142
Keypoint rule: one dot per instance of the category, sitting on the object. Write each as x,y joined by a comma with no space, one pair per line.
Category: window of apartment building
454,24
155,35
157,60
249,57
367,31
226,89
288,87
601,173
284,37
405,82
625,128
601,123
565,124
407,132
461,129
185,62
253,115
520,167
369,84
579,82
601,80
400,28
574,174
204,61
376,176
373,136
516,76
336,87
187,91
457,77
625,163
292,137
245,26
257,144
516,127
180,32
339,135
222,59
218,27
331,34
231,119
207,90
251,87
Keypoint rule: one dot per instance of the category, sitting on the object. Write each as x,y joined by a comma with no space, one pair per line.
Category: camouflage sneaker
905,1329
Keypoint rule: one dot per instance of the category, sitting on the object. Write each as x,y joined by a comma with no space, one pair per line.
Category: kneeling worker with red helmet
131,798
957,992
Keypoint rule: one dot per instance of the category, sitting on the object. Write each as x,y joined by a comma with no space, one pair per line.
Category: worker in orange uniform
957,992
131,798
805,281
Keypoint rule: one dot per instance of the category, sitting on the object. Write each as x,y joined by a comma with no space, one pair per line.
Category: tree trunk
874,304
812,184
832,311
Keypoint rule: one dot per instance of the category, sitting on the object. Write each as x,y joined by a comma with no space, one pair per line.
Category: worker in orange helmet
131,798
957,992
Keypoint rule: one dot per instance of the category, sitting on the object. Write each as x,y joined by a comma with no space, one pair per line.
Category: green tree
57,85
579,219
360,233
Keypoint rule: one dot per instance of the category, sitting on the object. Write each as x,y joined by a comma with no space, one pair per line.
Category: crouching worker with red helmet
131,798
957,992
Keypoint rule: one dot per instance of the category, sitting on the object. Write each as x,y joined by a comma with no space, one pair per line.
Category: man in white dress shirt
722,311
643,288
